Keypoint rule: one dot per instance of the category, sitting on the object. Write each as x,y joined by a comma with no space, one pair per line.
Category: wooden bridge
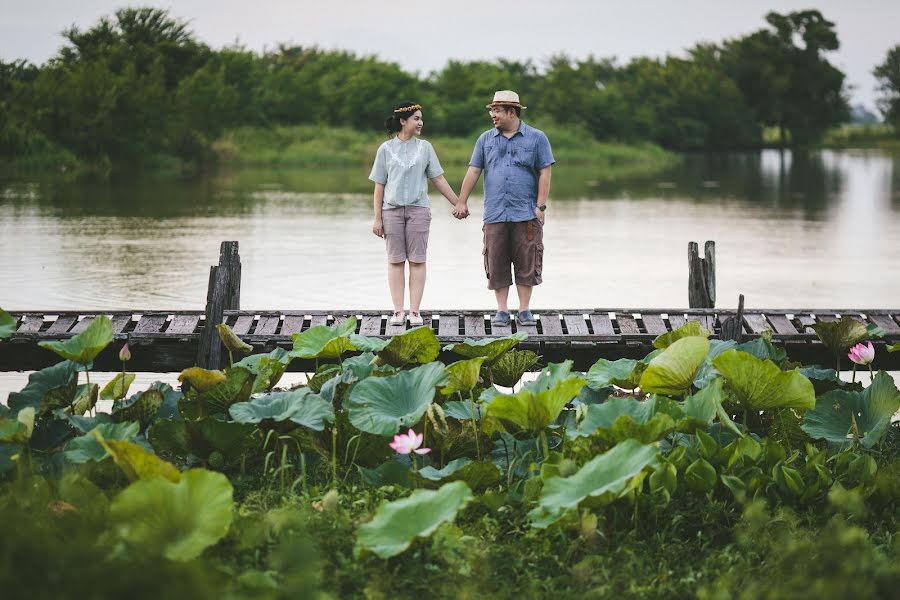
164,341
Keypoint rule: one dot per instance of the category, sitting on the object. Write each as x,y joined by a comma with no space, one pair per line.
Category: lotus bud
231,340
861,354
125,354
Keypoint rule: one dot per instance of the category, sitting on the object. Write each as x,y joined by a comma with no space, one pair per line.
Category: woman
403,166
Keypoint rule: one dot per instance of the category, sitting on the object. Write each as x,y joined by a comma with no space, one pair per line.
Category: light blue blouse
404,169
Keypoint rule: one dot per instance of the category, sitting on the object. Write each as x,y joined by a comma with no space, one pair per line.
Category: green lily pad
672,372
535,411
53,386
490,349
462,376
390,472
475,474
85,346
624,373
760,385
7,324
462,411
700,409
299,405
87,447
550,376
237,387
707,372
418,345
840,335
894,347
619,419
832,418
604,478
689,329
201,379
135,461
508,369
177,520
201,438
322,375
396,524
324,341
117,388
382,405
763,349
141,407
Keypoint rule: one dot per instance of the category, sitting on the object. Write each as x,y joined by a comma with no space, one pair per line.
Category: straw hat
507,97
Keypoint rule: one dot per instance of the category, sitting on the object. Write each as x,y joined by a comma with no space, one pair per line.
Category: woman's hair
404,110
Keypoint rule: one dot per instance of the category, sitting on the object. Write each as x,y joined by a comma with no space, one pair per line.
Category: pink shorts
406,233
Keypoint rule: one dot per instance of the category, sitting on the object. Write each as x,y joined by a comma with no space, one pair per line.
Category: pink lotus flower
404,443
862,355
124,353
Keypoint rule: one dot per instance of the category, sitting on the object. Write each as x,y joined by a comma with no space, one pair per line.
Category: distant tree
888,75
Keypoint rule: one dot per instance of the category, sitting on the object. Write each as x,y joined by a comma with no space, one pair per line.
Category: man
516,161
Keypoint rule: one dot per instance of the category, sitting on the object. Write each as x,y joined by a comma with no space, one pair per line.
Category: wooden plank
885,322
781,324
502,330
707,321
654,324
531,330
805,322
318,320
826,317
602,324
150,324
550,324
292,324
627,323
756,322
243,324
83,324
394,329
31,324
120,323
676,321
474,325
448,325
575,324
267,325
371,325
62,324
183,323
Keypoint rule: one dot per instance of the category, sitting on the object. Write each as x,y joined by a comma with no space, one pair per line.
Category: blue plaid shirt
511,170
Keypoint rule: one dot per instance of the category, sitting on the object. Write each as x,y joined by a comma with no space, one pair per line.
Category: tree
888,75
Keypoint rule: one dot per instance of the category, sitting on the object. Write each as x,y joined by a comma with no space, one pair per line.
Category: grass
879,136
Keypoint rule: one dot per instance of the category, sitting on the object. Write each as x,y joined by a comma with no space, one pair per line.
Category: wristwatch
542,207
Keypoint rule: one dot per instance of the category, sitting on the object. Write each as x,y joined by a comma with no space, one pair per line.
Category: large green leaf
832,418
118,386
605,478
840,335
624,373
474,474
141,407
508,369
85,346
268,368
201,438
54,386
396,524
135,461
550,376
178,520
323,341
87,447
237,387
382,405
534,411
760,385
672,372
462,376
763,349
7,324
279,406
707,372
619,419
418,345
689,329
490,349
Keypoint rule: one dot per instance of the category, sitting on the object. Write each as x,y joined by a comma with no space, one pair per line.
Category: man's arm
543,191
468,184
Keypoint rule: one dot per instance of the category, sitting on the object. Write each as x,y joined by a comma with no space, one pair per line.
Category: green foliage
83,347
535,410
840,335
759,385
7,324
888,75
299,406
491,349
672,372
323,341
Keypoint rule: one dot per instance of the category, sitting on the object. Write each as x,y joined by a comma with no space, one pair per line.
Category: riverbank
846,137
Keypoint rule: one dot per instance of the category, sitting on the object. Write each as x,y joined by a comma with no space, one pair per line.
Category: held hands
461,211
378,228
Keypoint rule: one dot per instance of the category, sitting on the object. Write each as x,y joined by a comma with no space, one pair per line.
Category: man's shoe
501,319
398,318
526,318
415,319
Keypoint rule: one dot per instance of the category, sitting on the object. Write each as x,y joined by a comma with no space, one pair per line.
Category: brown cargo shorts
518,243
406,233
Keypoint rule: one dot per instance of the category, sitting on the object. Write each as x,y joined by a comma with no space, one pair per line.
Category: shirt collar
522,129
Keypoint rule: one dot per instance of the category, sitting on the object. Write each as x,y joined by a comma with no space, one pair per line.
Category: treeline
139,85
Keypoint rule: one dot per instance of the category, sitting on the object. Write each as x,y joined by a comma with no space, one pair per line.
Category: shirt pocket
524,157
491,153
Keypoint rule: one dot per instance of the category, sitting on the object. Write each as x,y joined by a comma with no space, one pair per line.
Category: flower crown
409,108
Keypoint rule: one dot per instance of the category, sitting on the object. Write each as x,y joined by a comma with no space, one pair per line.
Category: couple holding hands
516,160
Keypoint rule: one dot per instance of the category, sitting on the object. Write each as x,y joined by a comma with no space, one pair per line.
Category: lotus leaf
619,419
700,476
178,519
87,447
237,387
85,399
475,474
701,408
396,524
382,405
763,349
689,329
603,478
322,375
7,324
118,386
490,349
135,461
840,335
511,453
85,346
462,376
313,413
141,407
624,373
80,423
462,411
230,339
894,347
299,405
54,386
418,345
760,385
707,372
323,341
508,369
551,375
832,418
672,372
204,437
202,380
390,472
535,411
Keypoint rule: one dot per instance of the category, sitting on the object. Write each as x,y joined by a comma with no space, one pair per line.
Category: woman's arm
378,204
444,188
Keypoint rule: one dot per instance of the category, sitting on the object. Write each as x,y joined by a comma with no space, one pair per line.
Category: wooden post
223,293
733,327
702,275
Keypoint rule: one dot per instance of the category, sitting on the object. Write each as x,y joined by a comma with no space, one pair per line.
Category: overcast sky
422,36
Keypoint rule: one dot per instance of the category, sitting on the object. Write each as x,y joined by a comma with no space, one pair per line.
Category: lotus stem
230,358
544,445
334,456
854,373
871,374
475,425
